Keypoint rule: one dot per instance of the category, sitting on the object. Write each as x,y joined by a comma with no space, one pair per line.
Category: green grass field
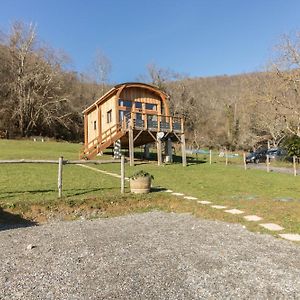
273,196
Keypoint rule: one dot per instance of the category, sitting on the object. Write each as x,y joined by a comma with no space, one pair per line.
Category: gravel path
146,256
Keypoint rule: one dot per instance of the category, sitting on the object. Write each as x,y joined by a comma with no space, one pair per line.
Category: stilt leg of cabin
146,151
168,150
159,152
183,153
131,147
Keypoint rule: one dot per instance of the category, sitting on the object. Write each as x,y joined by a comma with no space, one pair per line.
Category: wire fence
61,162
267,162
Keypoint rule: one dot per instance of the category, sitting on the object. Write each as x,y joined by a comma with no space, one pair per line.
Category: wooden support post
183,152
210,156
60,173
158,122
122,174
294,165
182,125
226,157
244,159
131,147
268,163
159,152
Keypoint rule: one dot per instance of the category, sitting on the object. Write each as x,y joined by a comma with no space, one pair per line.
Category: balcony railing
143,121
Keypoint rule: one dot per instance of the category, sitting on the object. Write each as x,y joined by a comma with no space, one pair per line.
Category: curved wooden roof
117,89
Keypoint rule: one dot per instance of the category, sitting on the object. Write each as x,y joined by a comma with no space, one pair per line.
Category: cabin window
138,105
109,116
151,106
95,125
138,116
125,103
152,118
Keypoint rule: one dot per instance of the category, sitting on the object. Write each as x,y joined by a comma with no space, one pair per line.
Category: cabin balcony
152,122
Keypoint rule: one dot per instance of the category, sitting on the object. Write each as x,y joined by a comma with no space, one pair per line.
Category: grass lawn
25,188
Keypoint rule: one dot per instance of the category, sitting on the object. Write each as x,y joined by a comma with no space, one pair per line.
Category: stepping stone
218,206
190,198
272,226
252,218
204,202
169,191
234,211
291,236
177,194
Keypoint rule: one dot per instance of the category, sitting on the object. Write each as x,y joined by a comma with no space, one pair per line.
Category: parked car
277,153
257,156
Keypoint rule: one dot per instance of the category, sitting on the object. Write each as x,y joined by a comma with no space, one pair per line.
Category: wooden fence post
210,157
122,174
245,164
294,165
60,173
131,146
268,163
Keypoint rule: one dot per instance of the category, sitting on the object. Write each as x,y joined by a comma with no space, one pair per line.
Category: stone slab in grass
239,197
204,202
291,236
253,218
284,199
272,226
218,206
168,191
190,198
234,211
177,194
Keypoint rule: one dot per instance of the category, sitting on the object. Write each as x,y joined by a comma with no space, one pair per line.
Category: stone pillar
168,150
146,151
117,149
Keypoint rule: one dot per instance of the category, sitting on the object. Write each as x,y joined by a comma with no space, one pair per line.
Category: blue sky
194,37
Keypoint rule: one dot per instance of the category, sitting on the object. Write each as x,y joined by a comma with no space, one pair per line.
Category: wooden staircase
99,144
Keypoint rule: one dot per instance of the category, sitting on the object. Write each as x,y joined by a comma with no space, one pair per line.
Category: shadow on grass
11,221
70,192
15,193
78,192
157,189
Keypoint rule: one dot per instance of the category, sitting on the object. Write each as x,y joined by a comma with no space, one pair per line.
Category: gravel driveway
146,256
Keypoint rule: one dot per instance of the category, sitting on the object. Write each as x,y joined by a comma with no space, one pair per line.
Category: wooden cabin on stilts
129,115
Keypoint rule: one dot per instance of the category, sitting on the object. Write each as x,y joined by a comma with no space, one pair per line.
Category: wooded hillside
40,96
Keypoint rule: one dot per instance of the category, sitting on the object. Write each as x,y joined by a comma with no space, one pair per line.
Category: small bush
140,174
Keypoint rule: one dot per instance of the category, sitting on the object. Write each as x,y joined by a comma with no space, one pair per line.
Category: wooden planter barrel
140,185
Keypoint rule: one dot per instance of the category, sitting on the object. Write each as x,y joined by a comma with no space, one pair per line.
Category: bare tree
101,69
36,96
286,66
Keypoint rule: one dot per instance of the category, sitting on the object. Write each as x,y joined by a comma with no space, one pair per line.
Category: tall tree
101,69
37,100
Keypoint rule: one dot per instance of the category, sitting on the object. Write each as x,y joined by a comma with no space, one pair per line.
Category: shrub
141,173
